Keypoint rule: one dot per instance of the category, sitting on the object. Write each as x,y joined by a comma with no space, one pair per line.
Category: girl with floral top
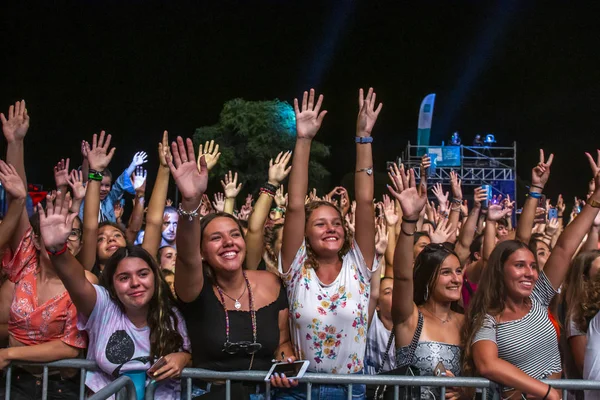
327,277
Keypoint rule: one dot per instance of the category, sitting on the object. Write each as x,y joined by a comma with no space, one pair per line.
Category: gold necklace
442,320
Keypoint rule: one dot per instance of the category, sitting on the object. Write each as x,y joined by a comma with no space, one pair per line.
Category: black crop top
205,320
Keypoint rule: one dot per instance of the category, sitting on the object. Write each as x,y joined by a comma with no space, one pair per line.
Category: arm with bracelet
98,158
455,204
539,178
278,171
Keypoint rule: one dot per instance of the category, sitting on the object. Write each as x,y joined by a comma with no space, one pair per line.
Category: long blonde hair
577,284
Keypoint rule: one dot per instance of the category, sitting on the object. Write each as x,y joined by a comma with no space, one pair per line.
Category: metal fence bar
308,391
228,389
8,381
114,387
45,383
82,372
188,389
349,392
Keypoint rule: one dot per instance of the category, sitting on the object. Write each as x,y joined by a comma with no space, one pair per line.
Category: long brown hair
162,319
489,298
579,292
207,269
311,257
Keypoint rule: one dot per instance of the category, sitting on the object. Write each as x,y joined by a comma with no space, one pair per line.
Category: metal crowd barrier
188,374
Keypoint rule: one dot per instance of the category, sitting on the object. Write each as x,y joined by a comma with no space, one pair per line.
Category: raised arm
15,128
412,202
455,203
231,189
13,185
156,206
539,178
61,176
75,181
467,233
98,158
391,219
55,228
591,243
278,171
136,219
494,214
191,183
308,123
363,175
558,263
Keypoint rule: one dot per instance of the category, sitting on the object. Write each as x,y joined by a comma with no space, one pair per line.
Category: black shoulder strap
117,370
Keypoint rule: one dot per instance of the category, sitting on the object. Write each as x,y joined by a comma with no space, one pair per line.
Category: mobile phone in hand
439,370
161,362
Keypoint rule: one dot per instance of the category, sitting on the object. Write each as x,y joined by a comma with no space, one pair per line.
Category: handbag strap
412,347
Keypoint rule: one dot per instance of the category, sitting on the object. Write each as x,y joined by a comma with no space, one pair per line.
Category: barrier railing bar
443,392
350,392
114,387
188,389
565,394
396,392
82,373
268,390
308,391
8,382
228,389
150,389
45,383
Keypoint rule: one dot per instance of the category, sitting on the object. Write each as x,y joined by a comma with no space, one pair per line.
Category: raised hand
439,194
389,210
496,212
168,203
351,221
310,118
425,164
16,126
11,181
139,158
84,149
219,203
230,185
139,178
278,170
367,113
381,238
455,185
541,172
211,154
560,205
442,232
280,198
164,152
190,181
56,222
411,201
552,227
75,181
98,155
479,196
61,173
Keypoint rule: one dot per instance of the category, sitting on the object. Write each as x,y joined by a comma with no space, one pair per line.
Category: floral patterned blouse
29,322
329,322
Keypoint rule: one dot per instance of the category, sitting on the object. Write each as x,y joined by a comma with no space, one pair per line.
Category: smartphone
293,370
432,167
552,213
156,366
439,370
488,200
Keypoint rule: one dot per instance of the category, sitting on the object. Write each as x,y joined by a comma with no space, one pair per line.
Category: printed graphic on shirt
120,348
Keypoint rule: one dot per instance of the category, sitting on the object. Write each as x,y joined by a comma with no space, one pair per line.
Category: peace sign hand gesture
541,172
309,120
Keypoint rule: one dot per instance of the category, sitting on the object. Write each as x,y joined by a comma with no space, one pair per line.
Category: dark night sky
524,71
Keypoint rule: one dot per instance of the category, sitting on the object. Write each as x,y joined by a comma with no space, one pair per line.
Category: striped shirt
529,343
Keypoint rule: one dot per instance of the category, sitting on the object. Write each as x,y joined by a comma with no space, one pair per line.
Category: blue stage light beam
475,61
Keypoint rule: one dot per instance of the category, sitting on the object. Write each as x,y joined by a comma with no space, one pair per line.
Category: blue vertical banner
425,118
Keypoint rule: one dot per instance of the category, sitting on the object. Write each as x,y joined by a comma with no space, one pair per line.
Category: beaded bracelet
59,252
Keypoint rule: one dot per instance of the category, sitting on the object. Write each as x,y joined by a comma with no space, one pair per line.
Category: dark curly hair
311,257
162,319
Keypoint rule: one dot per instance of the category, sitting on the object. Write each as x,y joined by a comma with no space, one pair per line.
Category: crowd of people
404,285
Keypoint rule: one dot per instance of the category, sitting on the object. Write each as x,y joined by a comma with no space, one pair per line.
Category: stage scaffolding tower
475,165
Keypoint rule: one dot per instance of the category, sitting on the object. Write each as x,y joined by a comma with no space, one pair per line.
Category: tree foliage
249,134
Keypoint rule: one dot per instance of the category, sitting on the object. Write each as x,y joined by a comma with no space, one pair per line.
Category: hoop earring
426,292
